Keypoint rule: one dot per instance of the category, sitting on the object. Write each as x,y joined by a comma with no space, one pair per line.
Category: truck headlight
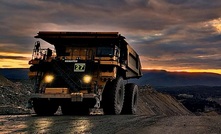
87,79
49,78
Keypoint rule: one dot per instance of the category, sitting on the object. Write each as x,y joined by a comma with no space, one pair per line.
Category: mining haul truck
86,73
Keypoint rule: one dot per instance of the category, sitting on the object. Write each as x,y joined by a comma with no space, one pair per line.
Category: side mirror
49,52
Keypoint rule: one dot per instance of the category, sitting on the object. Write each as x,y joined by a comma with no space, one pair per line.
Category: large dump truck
88,71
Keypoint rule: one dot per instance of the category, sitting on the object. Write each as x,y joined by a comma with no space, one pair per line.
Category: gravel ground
73,124
185,125
14,96
121,124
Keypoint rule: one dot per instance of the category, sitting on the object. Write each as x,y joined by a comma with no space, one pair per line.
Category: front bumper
75,97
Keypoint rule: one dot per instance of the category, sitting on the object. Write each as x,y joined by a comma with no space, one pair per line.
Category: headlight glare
49,78
87,79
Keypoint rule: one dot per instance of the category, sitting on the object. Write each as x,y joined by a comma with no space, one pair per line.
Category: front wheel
113,96
45,106
131,99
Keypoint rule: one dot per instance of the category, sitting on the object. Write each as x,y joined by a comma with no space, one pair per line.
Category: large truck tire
45,107
131,99
113,97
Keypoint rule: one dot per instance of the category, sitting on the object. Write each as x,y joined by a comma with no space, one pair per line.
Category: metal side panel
133,65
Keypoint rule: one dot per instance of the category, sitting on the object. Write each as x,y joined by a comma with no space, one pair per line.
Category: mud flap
96,110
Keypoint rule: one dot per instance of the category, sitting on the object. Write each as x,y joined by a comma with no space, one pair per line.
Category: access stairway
73,81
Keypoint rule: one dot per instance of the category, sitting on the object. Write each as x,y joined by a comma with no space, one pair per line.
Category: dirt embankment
153,103
14,97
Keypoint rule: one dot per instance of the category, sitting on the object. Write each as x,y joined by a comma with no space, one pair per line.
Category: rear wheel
45,106
131,99
113,96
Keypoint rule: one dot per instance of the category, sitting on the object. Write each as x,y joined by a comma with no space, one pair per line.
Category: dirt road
121,124
72,124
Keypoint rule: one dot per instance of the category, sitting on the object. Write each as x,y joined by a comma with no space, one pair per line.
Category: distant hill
158,78
15,73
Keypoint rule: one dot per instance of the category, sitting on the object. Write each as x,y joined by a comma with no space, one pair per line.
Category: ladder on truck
73,80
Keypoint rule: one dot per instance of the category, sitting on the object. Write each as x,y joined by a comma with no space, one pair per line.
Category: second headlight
87,79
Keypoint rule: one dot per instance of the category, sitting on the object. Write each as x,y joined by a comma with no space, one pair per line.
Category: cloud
13,57
165,33
182,46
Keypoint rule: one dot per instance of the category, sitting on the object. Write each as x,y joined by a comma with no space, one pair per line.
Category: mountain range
156,78
15,73
159,78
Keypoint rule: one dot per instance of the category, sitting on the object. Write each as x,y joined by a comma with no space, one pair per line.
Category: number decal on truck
79,67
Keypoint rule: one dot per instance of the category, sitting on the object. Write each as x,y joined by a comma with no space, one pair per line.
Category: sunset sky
173,35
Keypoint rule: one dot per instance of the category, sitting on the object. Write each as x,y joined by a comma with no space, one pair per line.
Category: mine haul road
110,124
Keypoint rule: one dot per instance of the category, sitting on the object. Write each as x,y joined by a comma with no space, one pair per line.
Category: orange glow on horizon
217,71
22,62
16,54
10,62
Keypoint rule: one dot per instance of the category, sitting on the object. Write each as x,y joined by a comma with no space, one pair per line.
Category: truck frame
87,72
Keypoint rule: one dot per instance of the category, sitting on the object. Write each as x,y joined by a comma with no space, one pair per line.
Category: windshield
105,51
